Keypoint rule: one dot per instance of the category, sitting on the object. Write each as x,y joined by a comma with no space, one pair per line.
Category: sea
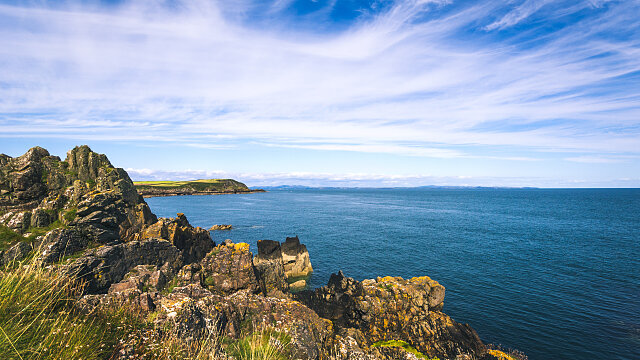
554,273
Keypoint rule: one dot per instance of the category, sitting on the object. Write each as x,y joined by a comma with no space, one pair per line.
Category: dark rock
41,218
194,243
17,252
229,268
394,308
296,259
59,243
106,265
269,267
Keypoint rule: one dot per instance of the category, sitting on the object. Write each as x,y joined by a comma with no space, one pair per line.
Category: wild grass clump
264,344
172,346
38,319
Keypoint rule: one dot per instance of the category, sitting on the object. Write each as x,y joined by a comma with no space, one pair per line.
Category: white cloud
198,74
256,180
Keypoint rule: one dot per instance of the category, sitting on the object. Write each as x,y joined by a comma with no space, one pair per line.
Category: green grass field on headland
159,188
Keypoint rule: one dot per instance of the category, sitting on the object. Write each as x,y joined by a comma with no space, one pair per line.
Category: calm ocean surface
554,273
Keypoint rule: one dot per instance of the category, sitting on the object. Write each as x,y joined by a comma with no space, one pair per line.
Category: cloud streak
419,78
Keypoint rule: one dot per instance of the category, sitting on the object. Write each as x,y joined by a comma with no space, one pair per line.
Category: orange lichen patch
500,355
241,247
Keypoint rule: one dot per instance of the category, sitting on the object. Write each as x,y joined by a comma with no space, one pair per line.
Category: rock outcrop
295,258
220,227
269,267
229,268
84,218
392,308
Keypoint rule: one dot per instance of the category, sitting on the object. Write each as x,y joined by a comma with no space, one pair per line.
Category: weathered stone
59,243
220,227
229,268
194,243
298,285
394,308
18,252
41,218
103,266
269,267
296,259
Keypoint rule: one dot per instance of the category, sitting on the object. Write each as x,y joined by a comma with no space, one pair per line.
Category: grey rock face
269,267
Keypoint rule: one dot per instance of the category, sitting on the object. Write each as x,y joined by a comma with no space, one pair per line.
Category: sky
542,93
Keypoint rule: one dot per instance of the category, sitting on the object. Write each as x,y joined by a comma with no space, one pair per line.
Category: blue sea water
552,272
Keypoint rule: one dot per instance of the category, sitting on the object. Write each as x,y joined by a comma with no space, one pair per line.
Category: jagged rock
86,163
220,227
106,265
296,259
20,222
41,218
194,243
269,267
17,252
59,243
392,308
229,268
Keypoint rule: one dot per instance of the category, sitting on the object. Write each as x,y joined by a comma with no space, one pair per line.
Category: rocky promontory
85,219
194,187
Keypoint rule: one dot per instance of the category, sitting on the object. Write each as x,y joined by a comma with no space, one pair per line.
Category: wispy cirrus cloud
415,77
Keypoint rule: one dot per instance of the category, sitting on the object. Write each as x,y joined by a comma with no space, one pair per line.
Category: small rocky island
194,187
85,219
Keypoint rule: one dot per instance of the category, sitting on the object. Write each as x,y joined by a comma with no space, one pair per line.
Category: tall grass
38,319
264,344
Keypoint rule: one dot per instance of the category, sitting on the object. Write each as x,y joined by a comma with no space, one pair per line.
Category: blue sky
339,93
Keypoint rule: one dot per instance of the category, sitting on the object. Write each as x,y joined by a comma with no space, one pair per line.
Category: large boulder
392,308
229,268
195,243
295,258
101,267
269,267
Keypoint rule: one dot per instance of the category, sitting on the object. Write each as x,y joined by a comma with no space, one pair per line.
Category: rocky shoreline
85,218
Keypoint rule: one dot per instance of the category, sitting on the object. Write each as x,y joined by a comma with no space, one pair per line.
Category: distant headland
194,187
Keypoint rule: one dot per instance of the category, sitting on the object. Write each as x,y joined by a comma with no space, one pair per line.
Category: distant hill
193,187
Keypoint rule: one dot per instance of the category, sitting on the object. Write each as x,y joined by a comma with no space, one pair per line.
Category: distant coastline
195,187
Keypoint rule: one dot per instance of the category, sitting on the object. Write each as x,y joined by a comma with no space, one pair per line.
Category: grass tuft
38,319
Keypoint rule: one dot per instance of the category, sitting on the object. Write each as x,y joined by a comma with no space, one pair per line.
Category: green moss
408,348
168,288
39,231
70,215
209,281
8,237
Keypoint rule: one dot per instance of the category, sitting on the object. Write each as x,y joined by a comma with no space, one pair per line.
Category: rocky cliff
85,217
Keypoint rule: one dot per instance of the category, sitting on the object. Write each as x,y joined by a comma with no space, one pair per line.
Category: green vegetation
8,237
70,215
408,348
267,344
38,319
34,232
196,185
